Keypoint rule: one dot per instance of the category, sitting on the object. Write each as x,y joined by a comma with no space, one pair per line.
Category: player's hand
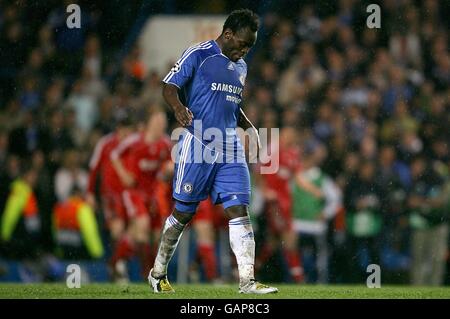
127,179
183,115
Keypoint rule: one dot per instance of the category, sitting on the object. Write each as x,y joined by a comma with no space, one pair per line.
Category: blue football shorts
201,171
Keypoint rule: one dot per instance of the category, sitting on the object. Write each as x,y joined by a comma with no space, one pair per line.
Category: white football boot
159,285
255,287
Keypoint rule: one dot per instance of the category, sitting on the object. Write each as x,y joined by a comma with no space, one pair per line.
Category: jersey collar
220,50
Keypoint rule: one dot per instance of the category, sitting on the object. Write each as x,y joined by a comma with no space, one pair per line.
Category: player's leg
204,229
190,186
142,244
292,255
242,241
114,215
123,250
163,207
116,220
171,234
289,239
272,236
170,237
139,228
134,241
231,187
117,228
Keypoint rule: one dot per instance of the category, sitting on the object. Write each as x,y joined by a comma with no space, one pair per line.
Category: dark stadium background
378,100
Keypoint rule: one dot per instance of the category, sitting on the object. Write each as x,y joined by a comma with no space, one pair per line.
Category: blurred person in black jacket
364,219
428,204
25,139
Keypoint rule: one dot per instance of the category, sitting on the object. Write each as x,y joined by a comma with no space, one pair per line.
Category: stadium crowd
368,110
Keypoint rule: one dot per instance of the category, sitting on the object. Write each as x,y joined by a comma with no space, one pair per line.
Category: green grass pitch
205,291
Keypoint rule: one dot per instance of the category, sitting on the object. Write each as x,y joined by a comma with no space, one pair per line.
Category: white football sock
170,237
243,245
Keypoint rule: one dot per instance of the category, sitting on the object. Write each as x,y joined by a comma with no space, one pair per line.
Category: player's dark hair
123,117
241,19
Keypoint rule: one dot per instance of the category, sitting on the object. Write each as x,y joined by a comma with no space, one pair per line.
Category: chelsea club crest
187,188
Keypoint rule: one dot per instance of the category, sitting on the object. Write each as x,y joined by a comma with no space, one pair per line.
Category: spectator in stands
316,201
70,176
25,139
428,204
364,220
76,229
20,224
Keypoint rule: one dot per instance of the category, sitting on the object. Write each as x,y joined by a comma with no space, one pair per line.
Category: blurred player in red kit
111,187
208,220
276,188
141,161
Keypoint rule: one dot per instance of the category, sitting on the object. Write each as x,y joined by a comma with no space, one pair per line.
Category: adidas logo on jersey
230,66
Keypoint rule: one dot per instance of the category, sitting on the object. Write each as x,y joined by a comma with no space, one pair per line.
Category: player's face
124,131
288,136
240,43
158,123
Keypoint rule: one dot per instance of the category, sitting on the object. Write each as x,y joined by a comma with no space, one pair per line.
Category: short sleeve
242,71
184,69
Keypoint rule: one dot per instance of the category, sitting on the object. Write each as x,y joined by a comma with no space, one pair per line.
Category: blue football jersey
212,86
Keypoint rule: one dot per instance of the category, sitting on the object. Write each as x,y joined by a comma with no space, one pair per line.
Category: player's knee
182,217
236,211
289,245
236,205
204,231
141,236
142,225
290,239
117,228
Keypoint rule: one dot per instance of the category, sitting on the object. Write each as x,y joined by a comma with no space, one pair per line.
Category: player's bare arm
183,115
246,124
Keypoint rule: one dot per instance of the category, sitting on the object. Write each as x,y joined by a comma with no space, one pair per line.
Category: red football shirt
100,164
144,160
289,165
